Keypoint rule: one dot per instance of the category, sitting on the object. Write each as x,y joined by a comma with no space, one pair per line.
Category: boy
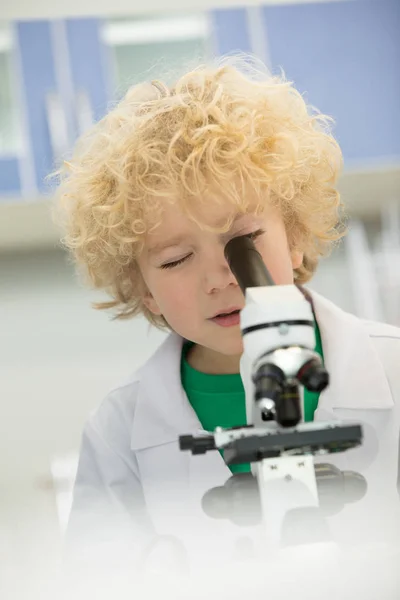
151,197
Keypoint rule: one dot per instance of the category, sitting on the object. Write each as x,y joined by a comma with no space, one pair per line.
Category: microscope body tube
246,264
274,319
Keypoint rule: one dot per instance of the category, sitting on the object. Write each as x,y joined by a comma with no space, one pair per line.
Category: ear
151,304
297,258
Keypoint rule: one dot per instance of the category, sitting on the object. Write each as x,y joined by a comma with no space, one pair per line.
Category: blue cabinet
90,70
10,129
346,57
62,75
41,95
231,31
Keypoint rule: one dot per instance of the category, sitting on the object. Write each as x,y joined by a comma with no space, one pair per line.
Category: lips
227,311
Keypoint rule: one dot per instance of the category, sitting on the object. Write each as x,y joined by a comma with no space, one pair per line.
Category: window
155,46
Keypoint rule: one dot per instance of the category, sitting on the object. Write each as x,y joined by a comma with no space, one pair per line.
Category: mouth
227,312
227,318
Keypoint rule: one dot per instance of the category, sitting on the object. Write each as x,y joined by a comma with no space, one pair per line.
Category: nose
217,274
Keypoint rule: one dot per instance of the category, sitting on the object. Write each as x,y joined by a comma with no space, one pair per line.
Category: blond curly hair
222,127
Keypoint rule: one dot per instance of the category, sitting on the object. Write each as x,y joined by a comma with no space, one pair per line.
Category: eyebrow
178,239
174,241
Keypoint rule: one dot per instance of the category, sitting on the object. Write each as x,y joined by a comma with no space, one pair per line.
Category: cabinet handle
84,113
58,126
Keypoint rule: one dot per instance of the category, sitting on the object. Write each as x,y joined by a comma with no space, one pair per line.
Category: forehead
177,227
200,213
215,206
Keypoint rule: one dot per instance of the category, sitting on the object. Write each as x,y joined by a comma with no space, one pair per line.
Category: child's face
189,281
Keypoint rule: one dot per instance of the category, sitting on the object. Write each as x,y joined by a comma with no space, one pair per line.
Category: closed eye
255,234
175,263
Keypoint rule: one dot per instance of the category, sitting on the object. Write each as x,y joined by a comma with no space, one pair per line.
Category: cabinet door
231,31
90,65
346,57
47,115
10,135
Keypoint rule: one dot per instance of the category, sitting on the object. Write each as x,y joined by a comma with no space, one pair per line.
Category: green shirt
219,400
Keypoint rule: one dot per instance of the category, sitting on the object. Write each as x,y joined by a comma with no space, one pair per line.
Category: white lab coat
133,479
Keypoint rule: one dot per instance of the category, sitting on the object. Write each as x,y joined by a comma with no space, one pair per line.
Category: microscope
285,492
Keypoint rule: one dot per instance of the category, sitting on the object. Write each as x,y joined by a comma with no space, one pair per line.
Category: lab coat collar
357,379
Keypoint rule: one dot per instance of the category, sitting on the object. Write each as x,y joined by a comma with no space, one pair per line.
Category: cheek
278,261
175,295
282,274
